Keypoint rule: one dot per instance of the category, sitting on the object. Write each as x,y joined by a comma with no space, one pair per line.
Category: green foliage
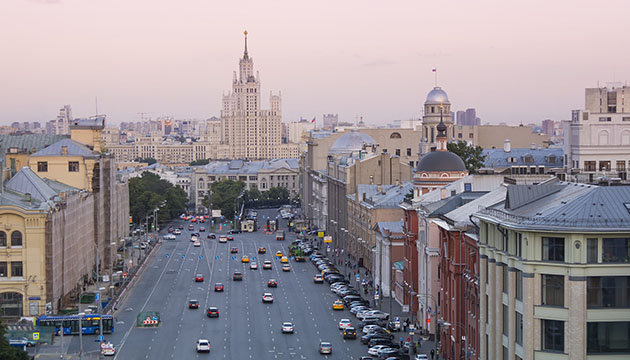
272,197
8,352
223,195
471,155
148,192
199,162
409,196
149,160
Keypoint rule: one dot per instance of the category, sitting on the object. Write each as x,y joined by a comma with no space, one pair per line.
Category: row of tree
149,192
8,352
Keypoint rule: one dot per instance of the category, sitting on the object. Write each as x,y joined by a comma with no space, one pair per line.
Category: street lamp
448,324
81,335
111,268
100,312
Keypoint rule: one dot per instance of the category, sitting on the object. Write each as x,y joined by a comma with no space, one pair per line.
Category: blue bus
90,323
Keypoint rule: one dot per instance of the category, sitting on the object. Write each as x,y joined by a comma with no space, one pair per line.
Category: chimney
379,188
363,196
532,146
507,146
28,197
442,194
64,150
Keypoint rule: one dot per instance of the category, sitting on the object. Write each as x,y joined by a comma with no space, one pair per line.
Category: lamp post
449,324
100,312
357,240
81,335
111,269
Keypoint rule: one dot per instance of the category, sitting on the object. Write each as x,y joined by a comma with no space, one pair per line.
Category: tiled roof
26,181
498,158
249,167
27,142
394,227
74,148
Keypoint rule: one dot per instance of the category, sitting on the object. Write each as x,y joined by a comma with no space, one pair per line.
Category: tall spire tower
245,56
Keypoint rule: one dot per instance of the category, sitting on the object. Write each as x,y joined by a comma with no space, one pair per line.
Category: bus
90,323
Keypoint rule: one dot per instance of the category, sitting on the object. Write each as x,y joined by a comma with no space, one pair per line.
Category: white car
222,239
203,345
368,328
374,350
108,349
421,357
268,298
344,323
253,266
372,314
196,244
194,238
287,327
177,232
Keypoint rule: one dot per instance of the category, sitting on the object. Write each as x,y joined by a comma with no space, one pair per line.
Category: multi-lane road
247,328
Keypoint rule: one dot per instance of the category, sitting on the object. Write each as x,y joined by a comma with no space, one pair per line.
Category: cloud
381,62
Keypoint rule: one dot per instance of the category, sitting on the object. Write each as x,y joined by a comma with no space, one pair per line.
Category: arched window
3,238
395,135
625,137
603,137
11,304
444,175
201,184
16,238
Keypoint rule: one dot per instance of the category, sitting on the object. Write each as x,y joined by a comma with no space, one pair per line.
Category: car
191,227
212,236
222,239
354,310
287,327
234,231
108,349
286,267
344,323
368,328
325,347
350,333
230,238
234,250
143,245
194,238
272,283
180,227
279,253
199,278
375,349
267,265
372,314
366,358
177,231
337,305
318,279
284,259
267,298
253,266
238,276
218,287
365,339
213,311
193,304
378,322
244,259
203,345
389,352
196,244
262,250
421,357
202,229
382,341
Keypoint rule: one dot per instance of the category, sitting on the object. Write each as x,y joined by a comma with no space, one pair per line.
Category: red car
230,238
171,229
193,304
199,278
272,283
213,312
234,250
218,287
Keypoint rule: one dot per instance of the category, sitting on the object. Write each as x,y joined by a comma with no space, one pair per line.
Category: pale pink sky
513,61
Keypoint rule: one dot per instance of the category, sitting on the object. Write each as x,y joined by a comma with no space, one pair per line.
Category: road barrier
148,319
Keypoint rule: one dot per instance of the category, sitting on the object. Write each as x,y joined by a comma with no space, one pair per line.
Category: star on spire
245,55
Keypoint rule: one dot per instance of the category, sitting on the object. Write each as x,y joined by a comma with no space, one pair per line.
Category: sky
514,61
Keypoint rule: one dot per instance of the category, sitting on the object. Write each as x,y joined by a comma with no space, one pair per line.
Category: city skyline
165,59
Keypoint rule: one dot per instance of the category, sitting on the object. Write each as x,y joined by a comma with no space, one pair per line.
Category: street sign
328,239
200,257
216,257
35,336
183,256
405,308
376,297
320,234
100,338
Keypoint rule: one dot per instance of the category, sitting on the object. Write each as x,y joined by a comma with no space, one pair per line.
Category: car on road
382,341
350,333
191,227
177,232
344,323
337,305
244,259
213,311
286,267
262,250
180,227
272,283
193,304
365,339
230,238
108,349
199,278
234,250
389,353
368,328
267,298
318,279
421,357
143,245
202,229
325,347
372,314
267,265
222,239
203,345
196,244
279,253
212,236
354,310
375,349
218,287
238,276
287,327
253,265
284,259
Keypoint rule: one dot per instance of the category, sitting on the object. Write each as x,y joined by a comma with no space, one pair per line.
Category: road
246,328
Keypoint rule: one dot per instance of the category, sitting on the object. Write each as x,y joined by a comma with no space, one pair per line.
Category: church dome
351,142
441,161
437,96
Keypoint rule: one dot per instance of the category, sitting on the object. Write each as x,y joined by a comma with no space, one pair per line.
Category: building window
3,238
3,269
591,251
553,249
604,118
518,328
519,285
608,292
506,353
408,151
16,269
73,166
616,250
506,279
42,166
506,320
16,238
589,166
397,152
604,166
608,337
519,245
621,165
553,335
553,290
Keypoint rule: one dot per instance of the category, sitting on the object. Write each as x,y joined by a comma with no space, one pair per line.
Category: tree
223,195
199,162
8,352
471,155
148,192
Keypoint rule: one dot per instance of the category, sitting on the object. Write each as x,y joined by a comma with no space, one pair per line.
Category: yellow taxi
284,259
278,253
337,305
245,259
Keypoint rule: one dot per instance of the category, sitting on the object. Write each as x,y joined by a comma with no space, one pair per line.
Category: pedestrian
401,341
432,354
405,326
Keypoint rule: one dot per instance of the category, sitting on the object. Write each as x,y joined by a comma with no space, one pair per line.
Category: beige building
493,136
555,273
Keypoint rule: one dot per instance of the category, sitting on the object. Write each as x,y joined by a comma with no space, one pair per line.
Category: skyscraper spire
245,56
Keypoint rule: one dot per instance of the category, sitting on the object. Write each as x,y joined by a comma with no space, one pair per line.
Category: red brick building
410,260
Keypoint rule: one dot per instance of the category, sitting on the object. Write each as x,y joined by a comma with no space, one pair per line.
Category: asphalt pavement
246,327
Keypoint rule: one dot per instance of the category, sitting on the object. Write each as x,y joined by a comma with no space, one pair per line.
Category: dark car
230,238
193,304
238,276
381,341
218,287
350,298
181,227
350,333
202,229
213,312
381,323
365,339
212,236
272,283
387,353
234,250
